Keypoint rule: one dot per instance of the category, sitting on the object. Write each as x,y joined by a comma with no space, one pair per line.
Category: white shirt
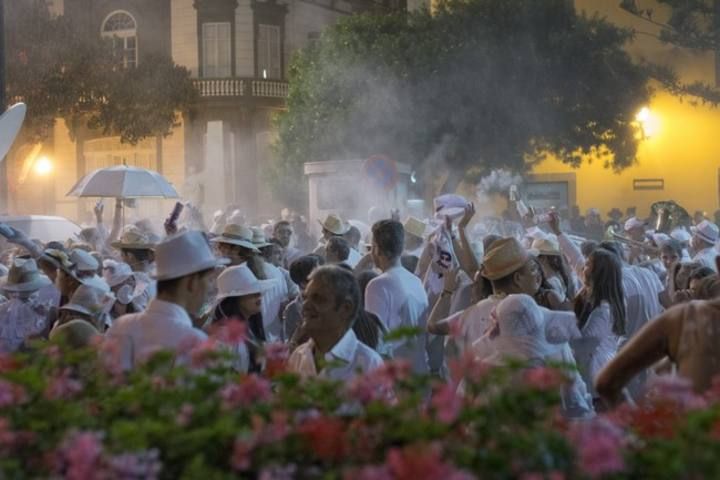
20,320
470,325
272,301
348,358
292,254
163,326
706,258
597,346
353,258
398,299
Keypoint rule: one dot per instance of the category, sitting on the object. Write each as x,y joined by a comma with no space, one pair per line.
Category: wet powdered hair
343,285
604,285
389,236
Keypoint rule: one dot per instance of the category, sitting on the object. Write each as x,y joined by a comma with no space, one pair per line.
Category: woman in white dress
600,310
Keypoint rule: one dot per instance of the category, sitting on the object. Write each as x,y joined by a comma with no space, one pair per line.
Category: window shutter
217,50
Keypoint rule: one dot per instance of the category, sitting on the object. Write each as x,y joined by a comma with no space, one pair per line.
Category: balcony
217,88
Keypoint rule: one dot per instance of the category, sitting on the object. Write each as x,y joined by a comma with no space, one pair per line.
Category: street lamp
43,166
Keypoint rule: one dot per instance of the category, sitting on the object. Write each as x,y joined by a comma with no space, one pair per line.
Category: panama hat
415,227
239,281
258,238
134,238
90,300
707,231
545,246
506,256
59,259
335,225
24,276
236,234
83,261
184,254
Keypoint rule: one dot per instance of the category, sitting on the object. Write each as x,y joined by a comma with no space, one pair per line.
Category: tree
62,71
477,85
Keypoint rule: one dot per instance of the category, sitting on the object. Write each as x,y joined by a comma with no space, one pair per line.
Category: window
269,59
121,28
216,50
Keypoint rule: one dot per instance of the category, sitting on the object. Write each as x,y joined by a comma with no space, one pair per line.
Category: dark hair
338,247
673,246
560,266
301,268
389,236
281,223
410,262
363,279
614,247
140,254
343,284
700,273
171,285
587,247
605,285
353,235
55,246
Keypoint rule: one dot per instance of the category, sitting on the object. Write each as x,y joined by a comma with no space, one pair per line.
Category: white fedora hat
335,225
115,272
90,300
707,231
83,261
236,234
259,239
184,254
24,276
239,281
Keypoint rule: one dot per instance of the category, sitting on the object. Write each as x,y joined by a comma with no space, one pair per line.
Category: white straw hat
134,238
184,254
24,276
335,225
707,231
236,234
258,238
239,281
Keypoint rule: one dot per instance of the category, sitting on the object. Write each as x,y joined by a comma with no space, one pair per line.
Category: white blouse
597,346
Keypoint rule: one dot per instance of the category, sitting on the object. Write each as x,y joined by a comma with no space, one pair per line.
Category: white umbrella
123,182
10,123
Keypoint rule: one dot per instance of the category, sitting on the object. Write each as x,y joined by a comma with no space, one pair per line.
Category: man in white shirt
397,296
186,270
331,305
703,243
511,270
283,232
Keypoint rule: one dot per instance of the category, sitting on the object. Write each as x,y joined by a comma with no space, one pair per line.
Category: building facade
238,53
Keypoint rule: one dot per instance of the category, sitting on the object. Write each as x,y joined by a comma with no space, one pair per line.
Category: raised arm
569,250
436,323
465,254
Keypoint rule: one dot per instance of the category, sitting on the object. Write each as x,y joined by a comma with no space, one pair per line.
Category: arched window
122,28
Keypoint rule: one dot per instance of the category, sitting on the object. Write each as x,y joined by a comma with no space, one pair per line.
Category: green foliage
478,85
61,70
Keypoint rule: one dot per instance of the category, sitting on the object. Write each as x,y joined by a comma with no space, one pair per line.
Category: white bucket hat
184,254
24,276
83,261
449,205
707,231
90,300
239,281
236,234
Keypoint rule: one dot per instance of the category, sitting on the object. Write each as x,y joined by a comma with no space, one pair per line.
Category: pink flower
599,447
11,394
241,459
368,472
446,402
273,432
145,465
83,454
422,462
62,387
203,353
468,367
325,436
184,416
276,358
249,390
544,378
110,353
232,332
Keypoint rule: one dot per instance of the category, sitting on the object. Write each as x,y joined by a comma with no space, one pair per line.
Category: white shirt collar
344,349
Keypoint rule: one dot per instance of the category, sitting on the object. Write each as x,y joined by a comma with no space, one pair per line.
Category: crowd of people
617,310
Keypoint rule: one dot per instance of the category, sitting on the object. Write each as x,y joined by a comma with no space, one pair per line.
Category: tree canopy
62,71
476,85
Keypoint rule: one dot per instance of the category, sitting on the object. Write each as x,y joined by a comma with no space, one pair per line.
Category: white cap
634,222
184,254
83,261
707,231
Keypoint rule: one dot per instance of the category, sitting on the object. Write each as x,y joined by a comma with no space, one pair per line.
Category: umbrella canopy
10,123
123,182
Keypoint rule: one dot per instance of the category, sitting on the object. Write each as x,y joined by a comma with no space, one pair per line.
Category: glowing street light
648,121
43,166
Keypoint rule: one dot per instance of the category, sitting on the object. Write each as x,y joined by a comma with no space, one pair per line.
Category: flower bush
73,414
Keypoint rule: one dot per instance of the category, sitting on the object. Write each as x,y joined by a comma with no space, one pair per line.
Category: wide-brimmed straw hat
90,300
184,254
236,234
506,256
545,246
415,227
239,281
24,276
134,238
335,225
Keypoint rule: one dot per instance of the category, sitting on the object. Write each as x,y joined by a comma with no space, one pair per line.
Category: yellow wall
684,152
